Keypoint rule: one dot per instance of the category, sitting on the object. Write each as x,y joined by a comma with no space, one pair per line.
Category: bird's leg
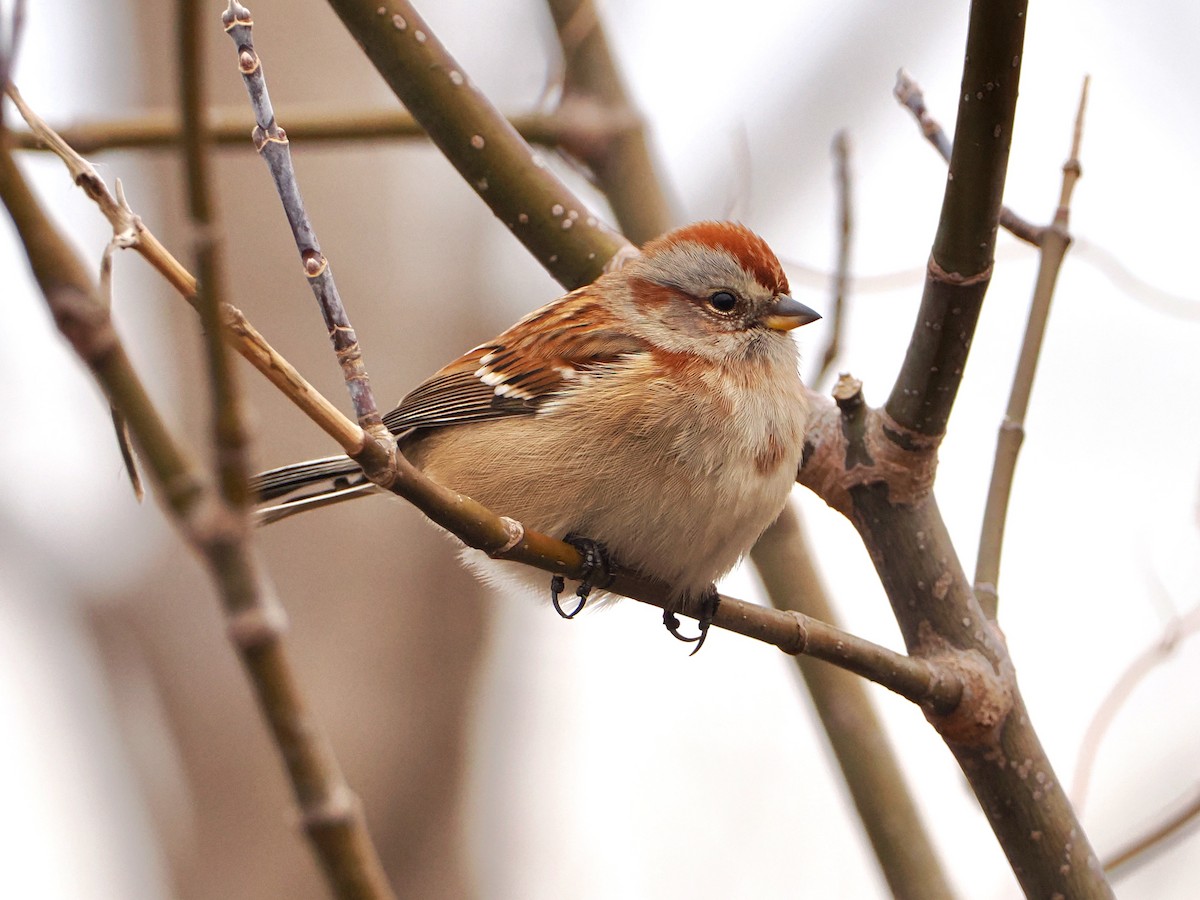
595,562
708,603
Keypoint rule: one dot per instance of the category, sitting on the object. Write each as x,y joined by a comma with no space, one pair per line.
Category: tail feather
307,485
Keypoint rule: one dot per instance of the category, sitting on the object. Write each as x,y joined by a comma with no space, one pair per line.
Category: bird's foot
595,568
707,609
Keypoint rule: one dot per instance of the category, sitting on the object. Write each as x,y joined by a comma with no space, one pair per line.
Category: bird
655,418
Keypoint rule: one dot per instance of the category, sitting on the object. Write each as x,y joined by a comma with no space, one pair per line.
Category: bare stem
229,430
272,144
132,232
1052,251
228,127
332,815
841,269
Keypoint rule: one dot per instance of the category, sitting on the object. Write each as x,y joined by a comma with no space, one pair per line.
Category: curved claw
556,588
708,609
672,622
594,561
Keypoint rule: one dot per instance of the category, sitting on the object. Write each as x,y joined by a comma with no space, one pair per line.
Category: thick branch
960,264
553,224
621,160
880,475
910,95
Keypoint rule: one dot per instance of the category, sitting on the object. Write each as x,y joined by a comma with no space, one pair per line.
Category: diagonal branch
253,347
257,620
910,95
620,160
544,215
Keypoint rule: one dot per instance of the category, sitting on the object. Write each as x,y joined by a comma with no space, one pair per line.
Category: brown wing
536,359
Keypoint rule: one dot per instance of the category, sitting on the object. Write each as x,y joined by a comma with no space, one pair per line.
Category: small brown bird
657,412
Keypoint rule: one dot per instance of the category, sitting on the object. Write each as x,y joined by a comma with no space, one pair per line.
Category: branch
960,264
332,815
910,95
544,215
880,475
856,735
257,621
162,129
1052,250
272,144
841,271
132,231
621,160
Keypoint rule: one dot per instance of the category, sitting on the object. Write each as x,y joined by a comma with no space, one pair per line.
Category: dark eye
722,301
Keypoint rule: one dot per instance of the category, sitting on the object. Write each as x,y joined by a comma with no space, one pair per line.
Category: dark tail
308,485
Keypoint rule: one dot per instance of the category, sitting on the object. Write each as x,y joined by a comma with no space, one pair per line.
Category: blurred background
500,751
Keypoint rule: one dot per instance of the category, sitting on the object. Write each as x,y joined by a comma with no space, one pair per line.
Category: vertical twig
841,270
332,814
272,144
1052,250
229,433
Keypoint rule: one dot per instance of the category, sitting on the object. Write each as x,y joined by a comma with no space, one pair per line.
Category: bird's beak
787,314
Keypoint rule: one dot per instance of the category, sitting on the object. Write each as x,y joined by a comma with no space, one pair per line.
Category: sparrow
654,417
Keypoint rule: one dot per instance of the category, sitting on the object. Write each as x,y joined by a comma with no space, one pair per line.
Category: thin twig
272,144
1139,851
910,95
229,432
1056,239
331,813
162,130
1177,630
133,233
841,269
